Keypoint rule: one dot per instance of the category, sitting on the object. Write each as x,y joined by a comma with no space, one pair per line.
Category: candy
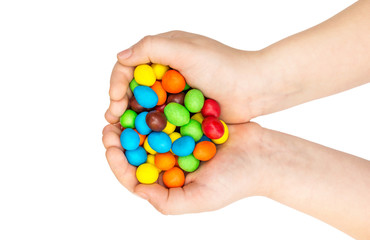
144,75
136,157
173,81
198,117
133,84
160,107
130,140
142,137
177,114
177,98
204,151
135,106
159,70
170,128
204,138
174,177
224,137
194,100
186,87
147,173
127,119
211,109
188,163
183,146
146,96
174,136
165,161
159,142
148,148
156,120
192,129
141,125
150,159
212,127
161,93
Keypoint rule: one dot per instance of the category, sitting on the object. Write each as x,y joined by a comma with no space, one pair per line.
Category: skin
329,58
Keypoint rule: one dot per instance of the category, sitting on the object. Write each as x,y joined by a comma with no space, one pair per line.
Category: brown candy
160,107
135,105
177,98
156,120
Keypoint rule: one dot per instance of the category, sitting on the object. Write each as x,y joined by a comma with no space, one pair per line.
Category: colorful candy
159,142
194,100
212,127
177,114
141,125
192,129
159,70
130,139
147,173
165,161
177,98
204,151
161,93
183,146
211,109
144,75
146,96
188,163
127,119
173,81
224,137
137,156
174,177
156,120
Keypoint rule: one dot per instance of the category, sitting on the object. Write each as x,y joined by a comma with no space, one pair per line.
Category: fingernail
142,195
125,53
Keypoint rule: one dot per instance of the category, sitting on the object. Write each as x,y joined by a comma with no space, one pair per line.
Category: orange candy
174,177
173,81
165,161
159,90
204,151
142,137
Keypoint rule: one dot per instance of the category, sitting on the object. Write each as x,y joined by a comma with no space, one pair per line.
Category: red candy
211,109
213,128
160,107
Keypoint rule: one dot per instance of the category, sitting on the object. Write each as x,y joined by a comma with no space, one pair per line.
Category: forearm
329,58
327,184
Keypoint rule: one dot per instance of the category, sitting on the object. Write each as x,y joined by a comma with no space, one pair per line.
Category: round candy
174,136
161,93
141,125
159,70
127,119
170,128
156,120
204,151
198,117
177,98
188,163
204,138
183,146
133,84
144,75
142,137
150,159
147,173
136,157
174,177
159,142
146,96
165,161
211,108
194,100
224,137
130,140
192,129
160,107
212,127
148,148
135,105
173,81
186,87
177,114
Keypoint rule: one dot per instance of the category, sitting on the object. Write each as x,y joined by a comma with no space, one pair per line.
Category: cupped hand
234,173
228,75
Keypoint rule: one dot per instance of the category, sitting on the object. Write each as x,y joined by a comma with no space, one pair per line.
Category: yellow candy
148,148
224,137
170,128
159,70
150,159
144,75
174,136
147,173
198,117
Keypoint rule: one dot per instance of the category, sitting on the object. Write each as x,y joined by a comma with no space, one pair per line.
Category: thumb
155,49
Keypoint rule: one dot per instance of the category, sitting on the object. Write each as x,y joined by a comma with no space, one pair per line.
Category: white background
55,64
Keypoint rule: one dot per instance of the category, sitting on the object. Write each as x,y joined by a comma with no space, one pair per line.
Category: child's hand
234,173
225,74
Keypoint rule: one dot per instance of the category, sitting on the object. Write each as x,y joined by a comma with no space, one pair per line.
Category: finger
112,127
120,79
157,49
111,138
117,108
110,117
124,172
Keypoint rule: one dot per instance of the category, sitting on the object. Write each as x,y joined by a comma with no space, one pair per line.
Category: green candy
177,114
194,100
133,84
188,163
192,129
186,87
127,119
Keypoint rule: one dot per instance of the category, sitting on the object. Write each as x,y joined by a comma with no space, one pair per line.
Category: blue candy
136,157
140,124
159,142
130,140
183,146
204,138
146,96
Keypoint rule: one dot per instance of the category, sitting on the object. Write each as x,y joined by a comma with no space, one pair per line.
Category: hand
230,76
234,173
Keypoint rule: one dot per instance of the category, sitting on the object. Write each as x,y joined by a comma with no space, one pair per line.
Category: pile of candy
169,126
